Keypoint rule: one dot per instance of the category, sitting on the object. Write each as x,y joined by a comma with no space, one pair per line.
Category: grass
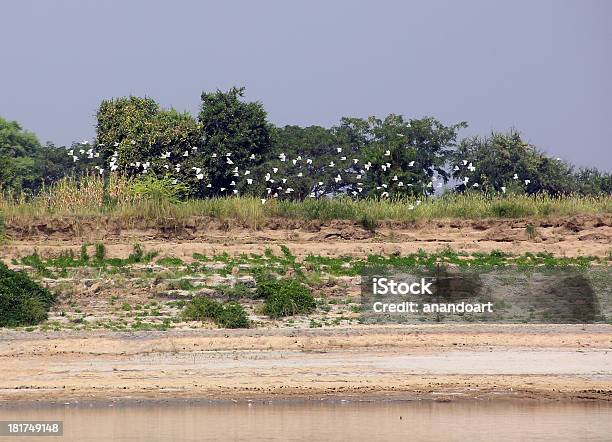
87,198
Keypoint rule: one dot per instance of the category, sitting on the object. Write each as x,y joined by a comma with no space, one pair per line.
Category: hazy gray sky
543,67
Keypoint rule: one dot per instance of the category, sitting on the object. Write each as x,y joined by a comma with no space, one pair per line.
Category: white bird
411,163
475,185
186,154
456,168
338,178
252,157
229,161
331,164
503,188
339,149
342,158
320,183
527,182
515,177
249,181
471,168
263,201
308,161
275,169
200,176
464,162
387,153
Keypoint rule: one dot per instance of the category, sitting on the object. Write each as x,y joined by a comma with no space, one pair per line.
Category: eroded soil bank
571,236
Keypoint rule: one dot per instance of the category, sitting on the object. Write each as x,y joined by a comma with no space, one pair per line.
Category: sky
538,66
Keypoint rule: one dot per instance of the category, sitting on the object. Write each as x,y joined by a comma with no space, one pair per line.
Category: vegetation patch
22,301
226,315
285,297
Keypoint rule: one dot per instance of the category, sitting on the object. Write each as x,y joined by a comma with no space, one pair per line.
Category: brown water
338,421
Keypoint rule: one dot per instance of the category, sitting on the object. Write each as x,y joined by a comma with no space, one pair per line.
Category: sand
443,362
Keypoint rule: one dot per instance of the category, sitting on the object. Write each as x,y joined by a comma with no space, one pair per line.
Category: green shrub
100,253
285,297
228,315
83,255
232,315
22,301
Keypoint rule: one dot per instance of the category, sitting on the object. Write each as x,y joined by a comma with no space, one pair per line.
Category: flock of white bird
279,181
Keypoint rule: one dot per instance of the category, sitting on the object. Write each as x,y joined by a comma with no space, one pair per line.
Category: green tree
18,150
235,138
591,181
503,161
136,137
408,157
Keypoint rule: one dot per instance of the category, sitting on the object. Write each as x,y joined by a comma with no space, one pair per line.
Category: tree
504,161
235,138
137,137
591,181
17,157
408,157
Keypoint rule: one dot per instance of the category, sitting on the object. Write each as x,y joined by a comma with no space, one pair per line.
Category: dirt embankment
572,236
434,361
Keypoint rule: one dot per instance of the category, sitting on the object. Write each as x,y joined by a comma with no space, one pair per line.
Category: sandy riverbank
434,361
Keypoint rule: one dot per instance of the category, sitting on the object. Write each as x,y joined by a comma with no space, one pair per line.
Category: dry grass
86,198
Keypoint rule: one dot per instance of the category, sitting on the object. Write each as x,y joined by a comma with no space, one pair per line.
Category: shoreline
425,362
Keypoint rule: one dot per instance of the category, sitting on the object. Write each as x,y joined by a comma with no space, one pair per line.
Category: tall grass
87,198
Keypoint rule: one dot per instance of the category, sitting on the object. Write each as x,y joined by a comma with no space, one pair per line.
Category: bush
228,315
22,301
232,315
285,297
